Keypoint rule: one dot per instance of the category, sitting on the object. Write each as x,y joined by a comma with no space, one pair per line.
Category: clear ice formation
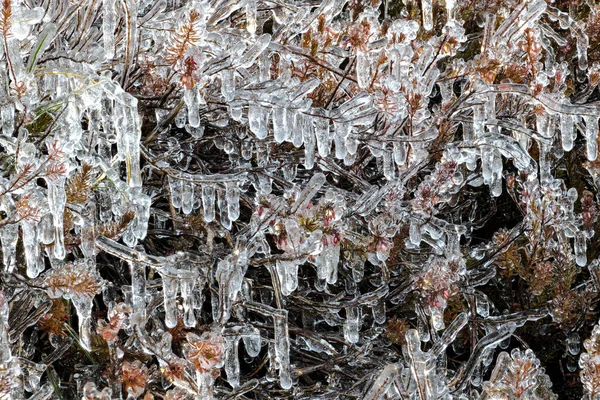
294,164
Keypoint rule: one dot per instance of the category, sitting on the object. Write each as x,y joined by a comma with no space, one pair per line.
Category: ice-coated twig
489,341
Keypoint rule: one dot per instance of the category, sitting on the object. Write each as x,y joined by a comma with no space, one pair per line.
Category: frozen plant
298,199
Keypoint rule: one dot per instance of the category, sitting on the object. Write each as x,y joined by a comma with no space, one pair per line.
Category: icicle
427,10
252,342
322,135
288,276
83,305
341,132
582,48
228,85
482,304
573,343
88,233
591,136
305,88
450,9
437,316
223,210
414,233
5,354
7,116
170,289
478,121
251,16
232,195
248,58
138,292
567,132
363,69
399,149
57,198
192,102
352,324
496,169
31,246
109,18
308,135
257,120
280,124
379,313
311,189
295,126
208,202
389,170
327,262
230,274
580,249
232,362
187,197
282,348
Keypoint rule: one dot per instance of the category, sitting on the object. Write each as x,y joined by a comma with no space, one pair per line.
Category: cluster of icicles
275,111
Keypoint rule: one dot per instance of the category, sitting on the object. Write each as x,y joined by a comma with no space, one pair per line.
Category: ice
187,197
363,69
280,124
322,135
170,289
208,202
381,386
352,324
580,248
568,134
83,305
311,189
288,276
295,120
252,342
230,273
57,199
33,256
138,292
591,137
573,344
228,85
308,136
43,41
478,121
223,210
379,315
248,58
399,149
251,16
427,10
282,348
415,233
232,197
232,362
191,97
340,133
482,304
109,18
5,352
257,120
327,262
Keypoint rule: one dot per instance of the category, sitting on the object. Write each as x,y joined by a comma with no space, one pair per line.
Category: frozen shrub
298,199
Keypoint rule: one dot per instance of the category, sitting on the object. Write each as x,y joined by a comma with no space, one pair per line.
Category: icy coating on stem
295,199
